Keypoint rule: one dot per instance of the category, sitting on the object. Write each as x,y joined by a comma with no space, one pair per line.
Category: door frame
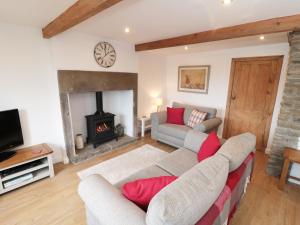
230,86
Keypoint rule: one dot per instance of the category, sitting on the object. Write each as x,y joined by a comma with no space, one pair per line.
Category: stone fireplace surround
71,82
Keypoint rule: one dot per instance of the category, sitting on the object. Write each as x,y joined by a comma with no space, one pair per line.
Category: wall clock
105,54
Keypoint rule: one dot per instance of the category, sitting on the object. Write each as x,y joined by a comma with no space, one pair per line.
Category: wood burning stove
101,125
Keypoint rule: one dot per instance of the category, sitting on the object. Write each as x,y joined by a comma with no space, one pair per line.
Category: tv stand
6,155
28,165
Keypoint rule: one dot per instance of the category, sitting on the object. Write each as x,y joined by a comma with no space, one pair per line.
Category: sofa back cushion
211,112
189,197
237,148
194,139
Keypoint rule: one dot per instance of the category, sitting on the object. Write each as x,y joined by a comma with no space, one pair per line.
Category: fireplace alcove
77,82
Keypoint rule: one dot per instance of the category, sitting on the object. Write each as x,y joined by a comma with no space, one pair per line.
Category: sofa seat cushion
178,131
178,162
151,171
189,197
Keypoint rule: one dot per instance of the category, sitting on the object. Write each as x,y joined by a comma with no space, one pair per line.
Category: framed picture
193,79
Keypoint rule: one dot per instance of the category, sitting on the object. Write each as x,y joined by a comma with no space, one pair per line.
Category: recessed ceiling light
262,37
227,2
127,30
186,48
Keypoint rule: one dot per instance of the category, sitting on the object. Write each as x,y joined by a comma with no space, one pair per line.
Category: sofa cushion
143,190
211,112
237,148
189,197
178,131
209,147
178,162
151,171
194,140
175,115
196,117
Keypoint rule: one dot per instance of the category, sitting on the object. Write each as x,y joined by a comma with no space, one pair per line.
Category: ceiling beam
275,25
77,13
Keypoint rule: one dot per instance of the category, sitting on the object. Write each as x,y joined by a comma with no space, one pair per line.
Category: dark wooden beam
275,25
77,13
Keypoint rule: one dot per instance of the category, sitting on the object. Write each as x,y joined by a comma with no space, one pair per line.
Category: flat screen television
10,133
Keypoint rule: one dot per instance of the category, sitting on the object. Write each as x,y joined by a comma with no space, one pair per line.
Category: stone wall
288,126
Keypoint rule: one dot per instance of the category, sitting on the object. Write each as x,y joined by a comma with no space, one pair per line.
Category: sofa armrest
156,119
107,204
208,125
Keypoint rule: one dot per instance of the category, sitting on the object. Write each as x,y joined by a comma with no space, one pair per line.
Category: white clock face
105,54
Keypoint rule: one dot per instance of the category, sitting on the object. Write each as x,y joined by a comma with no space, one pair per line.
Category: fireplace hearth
101,125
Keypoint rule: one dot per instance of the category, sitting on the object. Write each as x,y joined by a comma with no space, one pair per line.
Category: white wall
28,82
120,103
81,104
28,74
152,82
75,51
220,62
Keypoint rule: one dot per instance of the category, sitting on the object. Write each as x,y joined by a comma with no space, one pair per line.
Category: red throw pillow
209,147
175,115
143,190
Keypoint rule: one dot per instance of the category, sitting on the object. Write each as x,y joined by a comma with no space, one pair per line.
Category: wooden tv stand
34,161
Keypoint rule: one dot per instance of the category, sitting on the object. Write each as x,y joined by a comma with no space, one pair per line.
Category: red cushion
209,147
142,191
175,115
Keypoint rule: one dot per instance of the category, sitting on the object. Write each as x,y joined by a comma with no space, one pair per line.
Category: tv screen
10,130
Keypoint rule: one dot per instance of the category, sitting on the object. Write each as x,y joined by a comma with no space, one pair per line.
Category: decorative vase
79,143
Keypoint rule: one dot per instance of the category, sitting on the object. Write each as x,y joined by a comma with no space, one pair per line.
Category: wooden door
251,97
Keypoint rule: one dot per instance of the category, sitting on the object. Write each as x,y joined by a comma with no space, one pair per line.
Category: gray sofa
183,202
173,134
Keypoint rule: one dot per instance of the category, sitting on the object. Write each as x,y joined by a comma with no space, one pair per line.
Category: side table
290,156
144,120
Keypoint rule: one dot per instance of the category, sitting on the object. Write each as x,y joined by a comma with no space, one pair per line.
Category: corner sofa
205,193
173,134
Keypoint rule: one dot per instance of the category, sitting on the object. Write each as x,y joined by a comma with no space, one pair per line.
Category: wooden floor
55,201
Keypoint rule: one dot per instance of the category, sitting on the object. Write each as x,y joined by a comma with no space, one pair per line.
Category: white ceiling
150,19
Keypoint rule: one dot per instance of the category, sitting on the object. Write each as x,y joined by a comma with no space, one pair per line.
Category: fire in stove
102,127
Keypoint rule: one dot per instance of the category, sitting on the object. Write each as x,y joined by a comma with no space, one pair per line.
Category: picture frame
193,78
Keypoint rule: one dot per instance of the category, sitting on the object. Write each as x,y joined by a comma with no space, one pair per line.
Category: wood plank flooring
56,202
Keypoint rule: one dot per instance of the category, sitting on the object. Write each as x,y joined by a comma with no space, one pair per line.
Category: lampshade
158,101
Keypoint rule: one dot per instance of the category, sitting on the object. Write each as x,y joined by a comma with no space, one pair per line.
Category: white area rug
120,167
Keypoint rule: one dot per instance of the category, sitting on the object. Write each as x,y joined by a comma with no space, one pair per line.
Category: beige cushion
194,139
151,171
178,162
237,148
188,198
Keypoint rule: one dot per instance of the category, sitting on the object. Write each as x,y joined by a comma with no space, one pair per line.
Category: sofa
173,134
205,193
